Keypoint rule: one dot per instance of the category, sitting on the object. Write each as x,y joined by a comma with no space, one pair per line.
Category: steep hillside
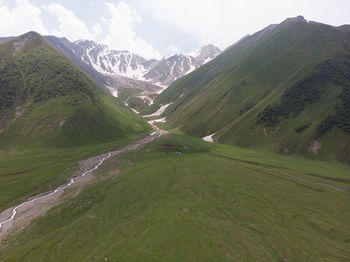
71,51
285,87
45,100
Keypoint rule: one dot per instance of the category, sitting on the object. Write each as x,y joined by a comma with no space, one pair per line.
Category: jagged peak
56,37
174,55
209,46
204,50
32,37
30,34
82,41
86,42
298,18
104,47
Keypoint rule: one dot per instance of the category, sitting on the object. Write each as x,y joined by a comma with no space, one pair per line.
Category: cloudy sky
154,28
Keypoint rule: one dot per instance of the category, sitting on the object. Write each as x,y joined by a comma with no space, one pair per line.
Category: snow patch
113,91
159,111
207,60
209,138
134,110
62,122
192,68
146,99
161,120
195,53
162,86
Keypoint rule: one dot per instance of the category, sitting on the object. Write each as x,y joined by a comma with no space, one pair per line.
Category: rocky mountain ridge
126,64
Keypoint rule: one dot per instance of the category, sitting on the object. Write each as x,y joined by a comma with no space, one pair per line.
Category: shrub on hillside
308,91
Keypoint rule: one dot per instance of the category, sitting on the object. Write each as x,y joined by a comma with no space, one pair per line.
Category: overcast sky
154,28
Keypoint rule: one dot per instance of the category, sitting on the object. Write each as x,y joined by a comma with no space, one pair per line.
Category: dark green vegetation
37,73
51,116
284,88
309,91
211,203
341,118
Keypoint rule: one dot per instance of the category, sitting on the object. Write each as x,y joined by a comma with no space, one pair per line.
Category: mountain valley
234,155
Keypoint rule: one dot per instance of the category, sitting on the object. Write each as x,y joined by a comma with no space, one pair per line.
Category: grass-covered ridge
212,202
273,90
35,72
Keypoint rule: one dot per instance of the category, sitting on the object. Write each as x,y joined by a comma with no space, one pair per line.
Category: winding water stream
8,216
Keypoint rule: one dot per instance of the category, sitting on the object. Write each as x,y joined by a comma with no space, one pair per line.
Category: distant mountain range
123,63
123,68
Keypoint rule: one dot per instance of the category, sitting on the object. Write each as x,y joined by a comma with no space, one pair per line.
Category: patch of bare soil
315,146
62,123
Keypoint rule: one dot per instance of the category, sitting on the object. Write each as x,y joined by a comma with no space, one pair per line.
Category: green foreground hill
212,202
51,116
286,88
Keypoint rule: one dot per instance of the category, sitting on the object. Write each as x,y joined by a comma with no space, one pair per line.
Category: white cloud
70,25
173,49
23,17
104,21
97,29
226,21
194,21
120,31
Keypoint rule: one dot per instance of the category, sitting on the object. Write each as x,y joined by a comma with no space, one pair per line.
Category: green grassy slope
51,116
211,203
228,95
47,101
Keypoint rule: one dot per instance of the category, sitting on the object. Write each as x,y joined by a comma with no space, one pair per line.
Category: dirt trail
19,216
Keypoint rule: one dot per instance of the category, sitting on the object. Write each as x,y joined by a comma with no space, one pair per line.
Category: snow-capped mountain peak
126,64
207,53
